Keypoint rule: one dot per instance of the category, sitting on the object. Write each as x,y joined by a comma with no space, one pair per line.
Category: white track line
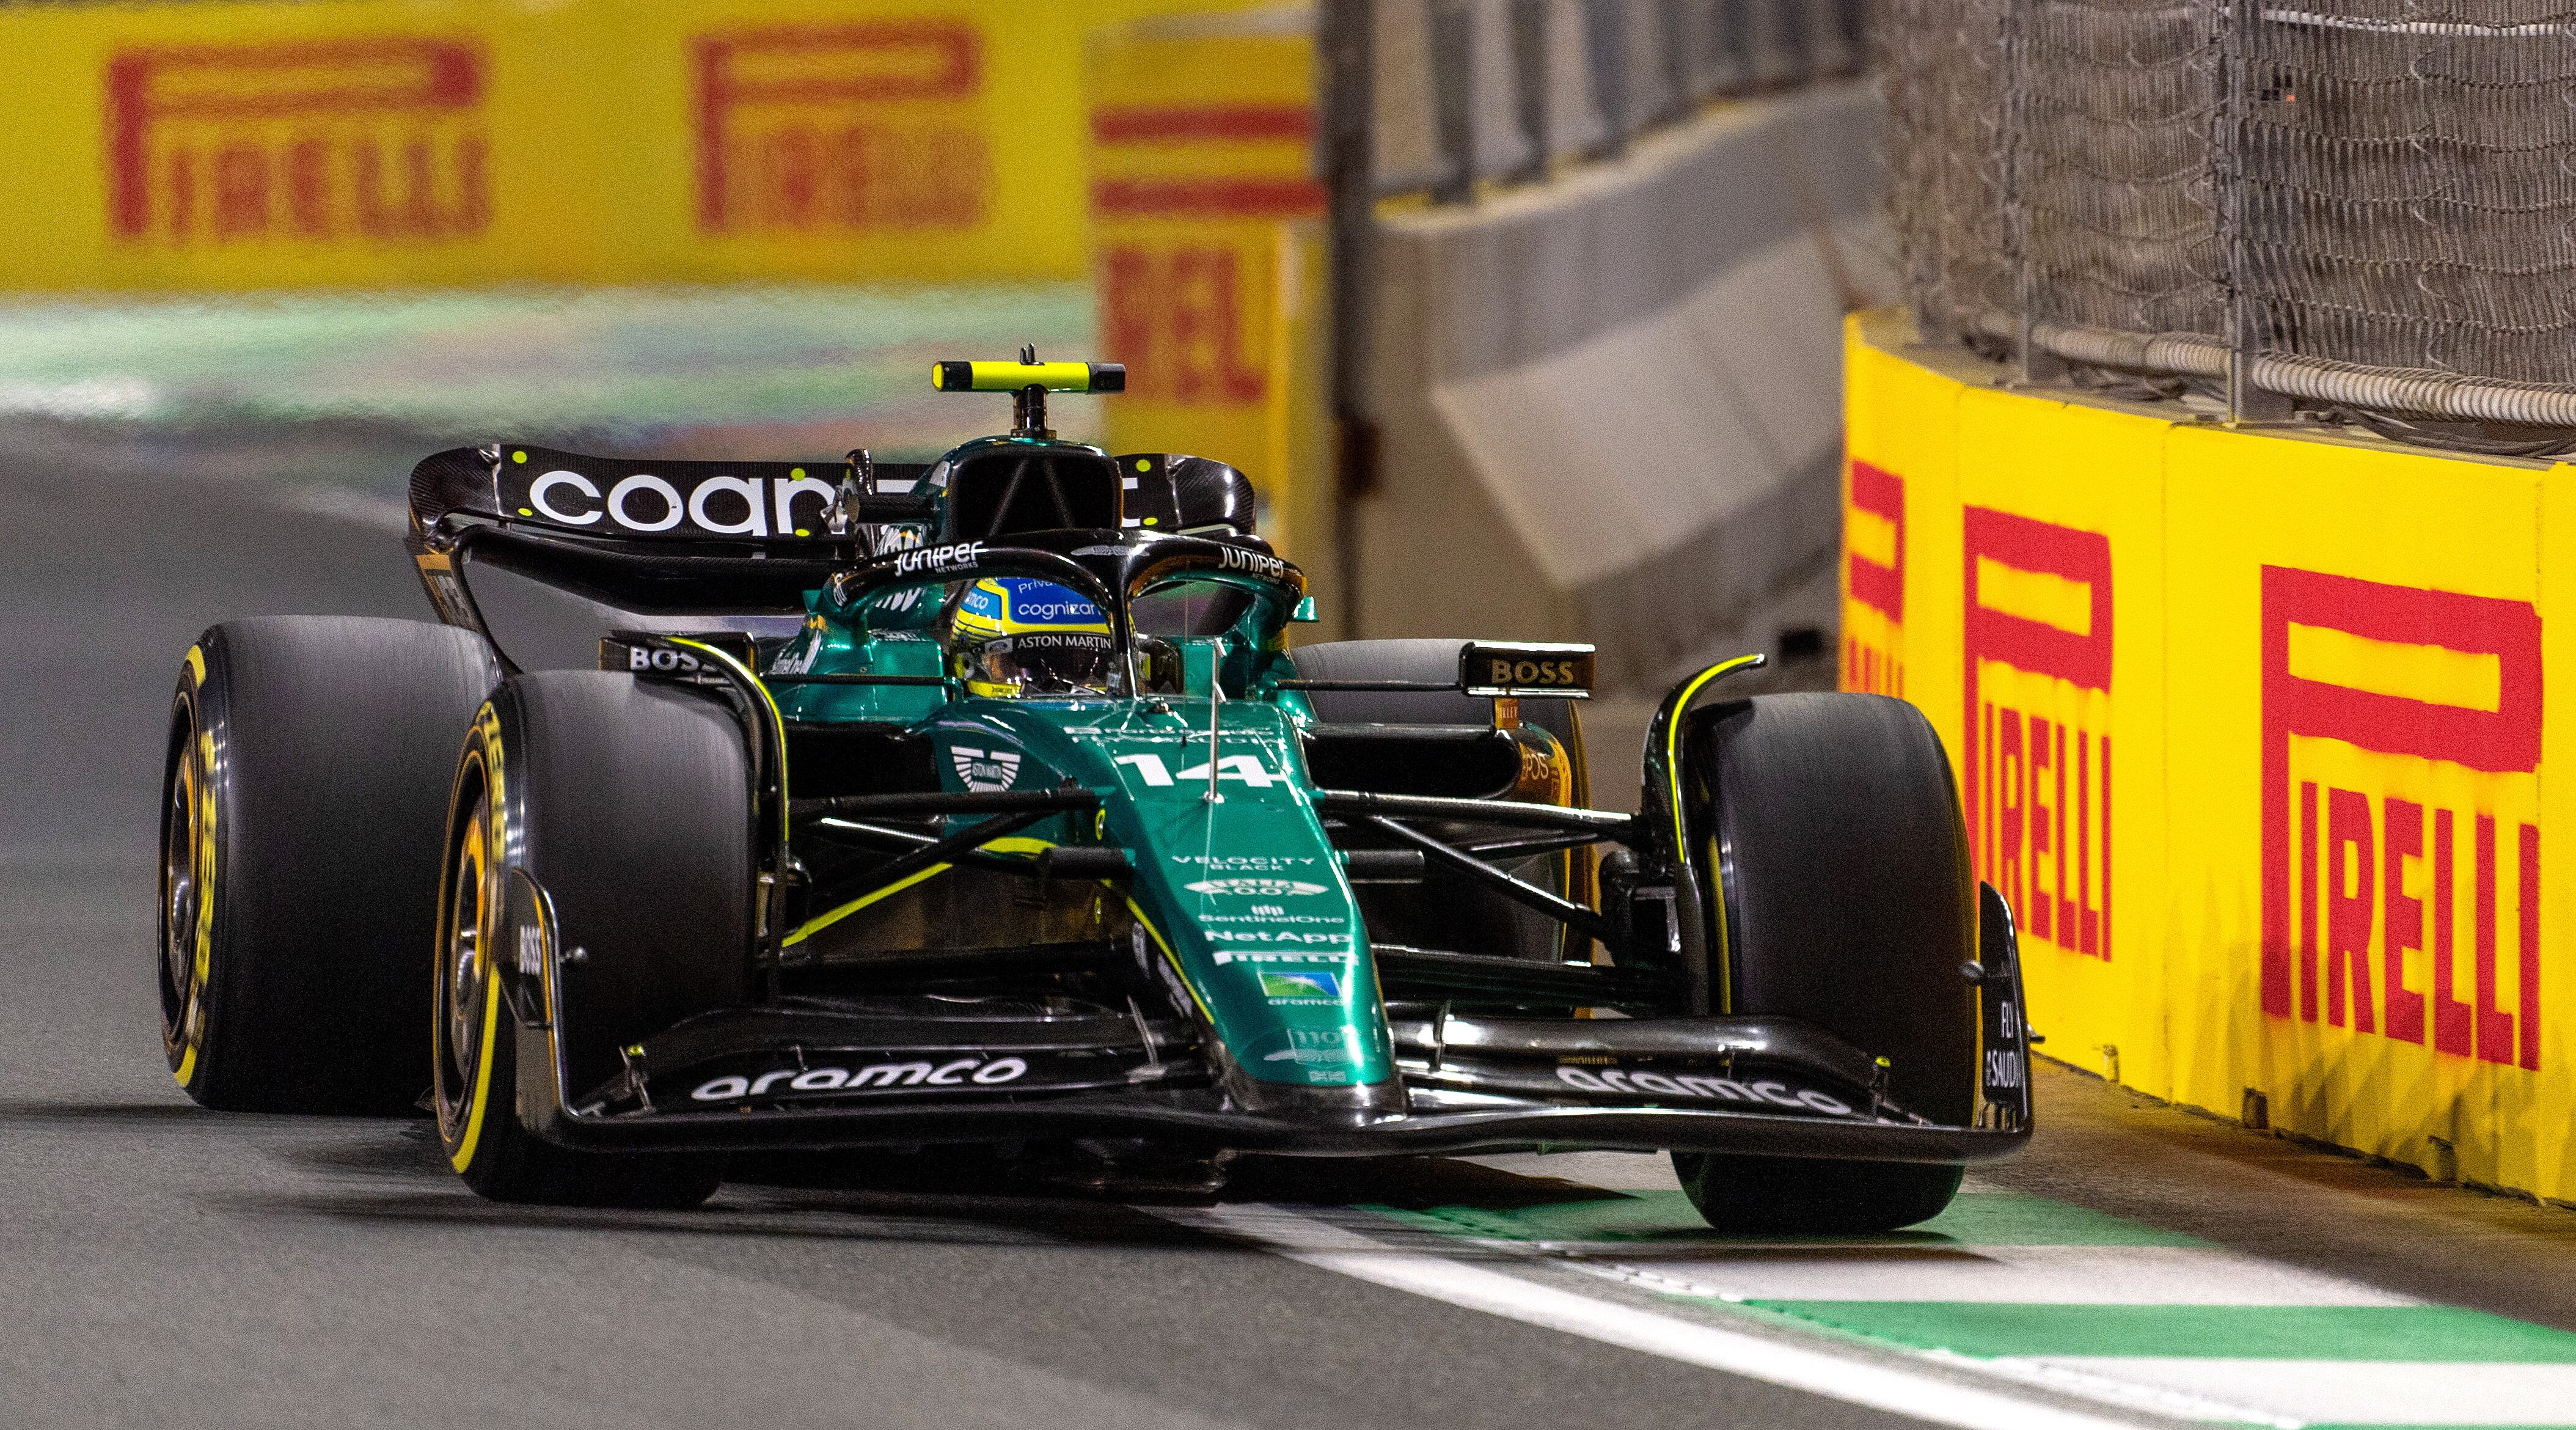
1854,1381
2028,1275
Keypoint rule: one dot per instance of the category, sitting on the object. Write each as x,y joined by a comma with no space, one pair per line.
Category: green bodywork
1237,892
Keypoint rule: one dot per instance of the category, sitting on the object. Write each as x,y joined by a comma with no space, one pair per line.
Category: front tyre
1799,1196
630,805
1832,825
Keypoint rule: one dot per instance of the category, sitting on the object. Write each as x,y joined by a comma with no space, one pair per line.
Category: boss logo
1530,672
661,661
1512,670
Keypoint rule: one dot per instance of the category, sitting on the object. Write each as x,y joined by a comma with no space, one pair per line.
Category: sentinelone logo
377,138
2038,676
1874,580
2381,705
842,128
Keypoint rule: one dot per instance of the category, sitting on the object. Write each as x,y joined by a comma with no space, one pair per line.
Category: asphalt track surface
164,1265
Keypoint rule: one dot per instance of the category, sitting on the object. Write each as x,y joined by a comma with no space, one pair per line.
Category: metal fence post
1605,34
1453,97
1346,45
1530,72
2013,141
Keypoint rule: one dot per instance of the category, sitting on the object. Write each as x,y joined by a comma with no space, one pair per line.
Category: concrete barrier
1609,405
2254,729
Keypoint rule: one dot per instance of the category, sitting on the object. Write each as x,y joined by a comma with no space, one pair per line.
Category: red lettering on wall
1878,585
2367,896
847,128
1175,317
2039,783
232,143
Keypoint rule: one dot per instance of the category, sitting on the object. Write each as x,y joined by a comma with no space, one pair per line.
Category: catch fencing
1500,91
2355,206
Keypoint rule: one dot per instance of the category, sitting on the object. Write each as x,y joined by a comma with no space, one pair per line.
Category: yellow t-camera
1020,376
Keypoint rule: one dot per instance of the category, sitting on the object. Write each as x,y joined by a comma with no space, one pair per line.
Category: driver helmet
1015,635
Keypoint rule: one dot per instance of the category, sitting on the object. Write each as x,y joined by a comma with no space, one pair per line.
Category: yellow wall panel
433,142
2338,864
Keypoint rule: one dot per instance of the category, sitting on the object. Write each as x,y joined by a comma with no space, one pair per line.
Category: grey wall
1610,405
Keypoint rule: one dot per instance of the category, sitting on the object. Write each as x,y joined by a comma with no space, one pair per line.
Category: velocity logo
985,771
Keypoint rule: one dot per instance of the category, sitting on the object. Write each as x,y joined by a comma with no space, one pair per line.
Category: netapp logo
1278,936
1704,1088
960,1073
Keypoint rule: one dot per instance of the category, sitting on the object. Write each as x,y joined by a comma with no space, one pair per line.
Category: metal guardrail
2361,206
1469,92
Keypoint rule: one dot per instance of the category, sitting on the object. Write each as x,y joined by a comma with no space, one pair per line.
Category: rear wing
657,500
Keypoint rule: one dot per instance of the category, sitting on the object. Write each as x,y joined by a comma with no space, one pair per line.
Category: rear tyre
630,805
1835,831
303,791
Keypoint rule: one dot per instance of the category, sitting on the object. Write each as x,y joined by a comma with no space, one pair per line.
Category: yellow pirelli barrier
2253,731
1208,226
344,143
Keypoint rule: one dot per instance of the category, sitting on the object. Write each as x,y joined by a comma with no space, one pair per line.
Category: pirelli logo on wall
1190,268
841,129
2401,833
1873,580
372,140
2037,636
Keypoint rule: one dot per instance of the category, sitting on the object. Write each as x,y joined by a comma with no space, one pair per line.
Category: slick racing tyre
304,784
1849,905
630,806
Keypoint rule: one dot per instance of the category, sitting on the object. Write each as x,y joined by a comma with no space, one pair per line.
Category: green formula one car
987,804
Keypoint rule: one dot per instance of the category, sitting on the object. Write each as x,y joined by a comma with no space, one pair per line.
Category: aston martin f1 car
985,803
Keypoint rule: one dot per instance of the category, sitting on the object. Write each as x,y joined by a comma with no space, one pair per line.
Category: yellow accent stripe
1721,978
1174,959
777,722
197,663
820,922
482,1072
188,1059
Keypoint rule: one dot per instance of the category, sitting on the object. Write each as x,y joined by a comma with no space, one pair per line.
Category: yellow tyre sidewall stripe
200,769
479,1097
